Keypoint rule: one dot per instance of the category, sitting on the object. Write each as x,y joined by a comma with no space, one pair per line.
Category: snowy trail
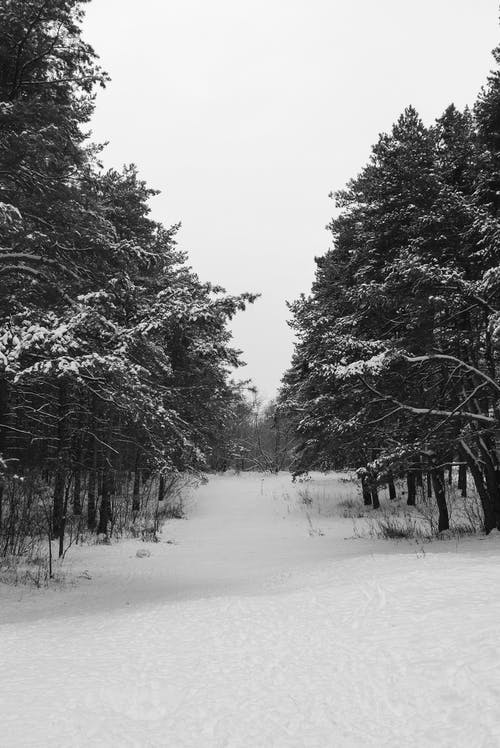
244,535
340,647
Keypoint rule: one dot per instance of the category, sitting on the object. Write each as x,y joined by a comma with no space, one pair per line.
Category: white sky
247,114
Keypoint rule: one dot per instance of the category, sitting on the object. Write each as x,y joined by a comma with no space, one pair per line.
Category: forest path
300,640
243,534
249,531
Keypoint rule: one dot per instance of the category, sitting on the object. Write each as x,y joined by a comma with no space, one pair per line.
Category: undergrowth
30,572
395,520
28,557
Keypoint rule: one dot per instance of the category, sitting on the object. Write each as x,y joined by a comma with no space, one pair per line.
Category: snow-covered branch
430,357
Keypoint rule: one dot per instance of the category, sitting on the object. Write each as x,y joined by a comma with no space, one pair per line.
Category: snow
258,622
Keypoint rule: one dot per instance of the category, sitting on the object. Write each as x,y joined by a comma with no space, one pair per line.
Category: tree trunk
450,475
477,477
91,500
136,498
410,481
492,488
418,479
392,487
61,462
491,476
462,479
161,488
58,503
92,489
438,483
429,485
1,502
365,488
63,521
99,480
374,497
105,507
77,492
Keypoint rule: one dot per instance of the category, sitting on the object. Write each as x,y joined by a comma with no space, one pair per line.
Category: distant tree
254,435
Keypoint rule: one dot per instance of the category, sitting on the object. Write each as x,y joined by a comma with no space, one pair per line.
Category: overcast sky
247,114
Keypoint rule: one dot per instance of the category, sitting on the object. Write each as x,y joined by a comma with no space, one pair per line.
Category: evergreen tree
114,357
395,365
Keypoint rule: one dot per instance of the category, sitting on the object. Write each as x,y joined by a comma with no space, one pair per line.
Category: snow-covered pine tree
114,356
396,361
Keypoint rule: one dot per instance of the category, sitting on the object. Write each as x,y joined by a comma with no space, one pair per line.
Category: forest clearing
260,620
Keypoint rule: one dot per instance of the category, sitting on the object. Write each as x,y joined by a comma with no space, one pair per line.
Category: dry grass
394,520
30,572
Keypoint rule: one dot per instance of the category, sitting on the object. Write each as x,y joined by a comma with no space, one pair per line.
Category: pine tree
396,355
114,357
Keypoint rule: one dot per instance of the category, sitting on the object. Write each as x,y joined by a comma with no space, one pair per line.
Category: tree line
258,435
396,365
115,358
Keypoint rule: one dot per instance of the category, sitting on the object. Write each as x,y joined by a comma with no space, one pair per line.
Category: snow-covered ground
258,622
